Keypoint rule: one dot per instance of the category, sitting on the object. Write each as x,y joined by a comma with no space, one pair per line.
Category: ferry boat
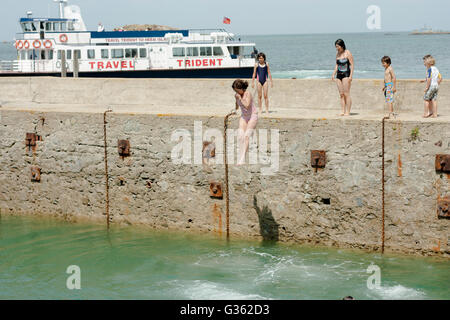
53,46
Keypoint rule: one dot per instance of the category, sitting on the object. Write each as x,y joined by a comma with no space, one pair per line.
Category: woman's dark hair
261,55
386,59
240,84
340,43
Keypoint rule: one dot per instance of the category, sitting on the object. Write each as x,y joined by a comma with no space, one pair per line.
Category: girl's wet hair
240,84
340,43
261,55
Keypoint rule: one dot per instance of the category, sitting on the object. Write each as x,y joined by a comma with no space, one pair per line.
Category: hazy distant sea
313,56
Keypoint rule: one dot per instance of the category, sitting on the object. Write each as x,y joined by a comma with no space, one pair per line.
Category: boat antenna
62,4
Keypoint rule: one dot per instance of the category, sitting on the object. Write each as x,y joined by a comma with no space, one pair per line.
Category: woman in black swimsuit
343,73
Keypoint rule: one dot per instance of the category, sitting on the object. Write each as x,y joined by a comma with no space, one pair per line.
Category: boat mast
62,4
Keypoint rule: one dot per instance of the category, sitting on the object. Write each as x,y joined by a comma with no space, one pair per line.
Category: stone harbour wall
339,205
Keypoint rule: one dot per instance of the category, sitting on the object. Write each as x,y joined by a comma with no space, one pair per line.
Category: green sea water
138,263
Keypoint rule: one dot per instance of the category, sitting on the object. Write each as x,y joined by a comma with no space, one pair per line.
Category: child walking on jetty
433,81
262,74
390,83
248,119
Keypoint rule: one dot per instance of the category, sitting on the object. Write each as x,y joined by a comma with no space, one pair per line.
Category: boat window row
38,26
197,51
36,55
92,54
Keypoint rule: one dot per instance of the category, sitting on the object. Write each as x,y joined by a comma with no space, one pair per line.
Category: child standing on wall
249,116
262,74
433,81
390,83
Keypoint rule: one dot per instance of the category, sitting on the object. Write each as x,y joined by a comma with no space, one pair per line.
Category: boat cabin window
91,54
192,52
131,53
63,26
143,53
117,53
178,52
77,53
234,50
34,26
105,54
70,26
205,51
56,26
26,27
68,54
48,26
218,51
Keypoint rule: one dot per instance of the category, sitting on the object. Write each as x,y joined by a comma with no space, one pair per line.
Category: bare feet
341,114
434,116
346,114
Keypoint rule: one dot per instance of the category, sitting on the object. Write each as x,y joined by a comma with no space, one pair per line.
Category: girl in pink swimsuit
249,116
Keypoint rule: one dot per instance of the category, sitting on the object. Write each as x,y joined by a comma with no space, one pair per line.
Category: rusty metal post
106,168
382,185
227,194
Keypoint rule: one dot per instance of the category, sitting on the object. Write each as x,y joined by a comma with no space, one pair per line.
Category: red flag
226,20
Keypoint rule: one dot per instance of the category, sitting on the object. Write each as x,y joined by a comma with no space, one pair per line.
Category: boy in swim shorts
433,81
390,83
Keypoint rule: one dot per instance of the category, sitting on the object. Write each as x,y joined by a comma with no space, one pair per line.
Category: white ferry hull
223,73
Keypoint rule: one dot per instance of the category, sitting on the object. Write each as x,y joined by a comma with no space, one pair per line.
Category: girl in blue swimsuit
262,74
343,73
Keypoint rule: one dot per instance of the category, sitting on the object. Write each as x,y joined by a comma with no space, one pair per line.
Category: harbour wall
339,205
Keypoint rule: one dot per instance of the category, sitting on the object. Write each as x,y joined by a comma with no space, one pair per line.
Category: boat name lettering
200,63
112,64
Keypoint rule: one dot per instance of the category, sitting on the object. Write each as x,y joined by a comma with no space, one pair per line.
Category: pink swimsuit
250,113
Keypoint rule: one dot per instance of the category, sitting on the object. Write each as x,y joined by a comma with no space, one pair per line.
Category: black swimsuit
343,68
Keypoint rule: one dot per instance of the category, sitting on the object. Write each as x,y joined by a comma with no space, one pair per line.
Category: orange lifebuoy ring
48,44
37,44
19,44
63,38
26,44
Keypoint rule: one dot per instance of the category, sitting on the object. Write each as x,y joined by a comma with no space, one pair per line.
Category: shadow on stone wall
268,227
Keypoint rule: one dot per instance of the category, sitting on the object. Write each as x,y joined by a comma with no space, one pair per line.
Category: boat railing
207,31
9,65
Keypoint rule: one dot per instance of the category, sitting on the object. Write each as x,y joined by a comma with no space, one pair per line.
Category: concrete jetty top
289,98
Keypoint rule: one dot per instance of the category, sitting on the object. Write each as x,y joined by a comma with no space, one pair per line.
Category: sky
262,17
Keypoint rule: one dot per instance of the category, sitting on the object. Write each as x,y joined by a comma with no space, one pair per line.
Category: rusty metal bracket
124,148
35,174
318,159
443,208
442,163
215,190
30,140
